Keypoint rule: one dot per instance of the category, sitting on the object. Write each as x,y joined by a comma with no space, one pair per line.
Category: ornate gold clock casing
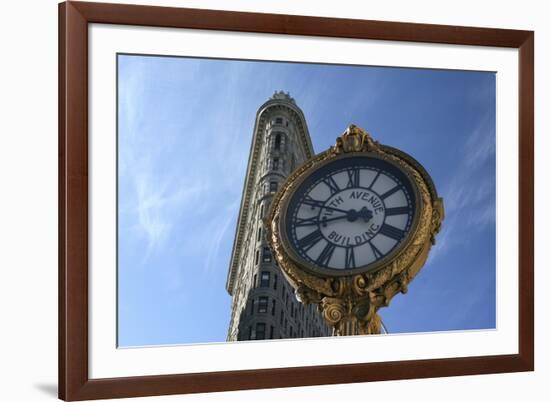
350,294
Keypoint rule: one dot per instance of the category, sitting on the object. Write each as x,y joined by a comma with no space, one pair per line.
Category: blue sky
185,127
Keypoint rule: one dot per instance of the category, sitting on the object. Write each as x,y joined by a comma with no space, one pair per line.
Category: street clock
352,227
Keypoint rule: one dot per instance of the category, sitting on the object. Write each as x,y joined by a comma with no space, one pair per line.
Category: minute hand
319,204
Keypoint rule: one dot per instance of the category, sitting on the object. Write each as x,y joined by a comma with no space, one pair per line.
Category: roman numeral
374,180
307,242
313,203
391,231
326,254
333,187
397,211
314,220
377,253
353,178
390,192
350,258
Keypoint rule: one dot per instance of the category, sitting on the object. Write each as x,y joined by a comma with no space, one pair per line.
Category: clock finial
355,139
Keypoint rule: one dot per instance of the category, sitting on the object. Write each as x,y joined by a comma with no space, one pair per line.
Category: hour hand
324,219
314,220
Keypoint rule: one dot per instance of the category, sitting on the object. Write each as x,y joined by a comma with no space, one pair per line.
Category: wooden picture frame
74,381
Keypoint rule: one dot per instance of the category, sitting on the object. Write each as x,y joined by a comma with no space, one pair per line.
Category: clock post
352,227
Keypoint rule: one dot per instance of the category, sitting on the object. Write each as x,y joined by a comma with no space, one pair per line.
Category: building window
272,186
262,304
282,317
273,304
275,163
259,237
277,145
264,279
266,255
260,330
252,303
275,282
257,257
271,332
262,210
255,280
279,120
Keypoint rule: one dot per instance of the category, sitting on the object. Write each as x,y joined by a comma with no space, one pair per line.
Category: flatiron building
263,303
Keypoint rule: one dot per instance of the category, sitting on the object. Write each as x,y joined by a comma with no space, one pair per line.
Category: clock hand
313,222
335,209
319,204
325,220
365,213
352,215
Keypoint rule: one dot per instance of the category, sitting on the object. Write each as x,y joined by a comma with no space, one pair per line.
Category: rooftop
283,96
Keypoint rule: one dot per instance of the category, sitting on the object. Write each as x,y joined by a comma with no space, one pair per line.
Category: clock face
350,213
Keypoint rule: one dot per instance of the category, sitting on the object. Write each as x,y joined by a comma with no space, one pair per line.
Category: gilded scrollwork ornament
355,139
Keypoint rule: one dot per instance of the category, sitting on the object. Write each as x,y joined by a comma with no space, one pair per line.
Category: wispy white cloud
480,145
217,235
469,196
157,203
442,244
159,187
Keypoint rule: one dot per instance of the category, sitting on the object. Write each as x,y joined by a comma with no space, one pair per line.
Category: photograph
272,200
205,146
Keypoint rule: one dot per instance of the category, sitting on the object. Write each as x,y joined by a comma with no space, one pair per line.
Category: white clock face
350,213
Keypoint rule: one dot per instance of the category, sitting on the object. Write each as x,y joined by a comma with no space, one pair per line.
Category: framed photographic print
259,200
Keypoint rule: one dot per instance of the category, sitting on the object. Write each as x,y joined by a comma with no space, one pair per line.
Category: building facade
263,303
